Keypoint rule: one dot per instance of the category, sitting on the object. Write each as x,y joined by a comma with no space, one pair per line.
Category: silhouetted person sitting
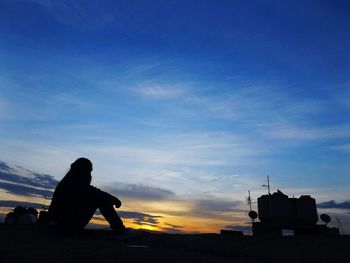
75,201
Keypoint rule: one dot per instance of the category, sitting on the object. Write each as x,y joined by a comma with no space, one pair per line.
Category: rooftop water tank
274,208
306,211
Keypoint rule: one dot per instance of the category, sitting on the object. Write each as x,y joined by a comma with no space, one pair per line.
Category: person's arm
109,198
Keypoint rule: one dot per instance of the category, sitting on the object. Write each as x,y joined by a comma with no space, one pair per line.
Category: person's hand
117,203
112,200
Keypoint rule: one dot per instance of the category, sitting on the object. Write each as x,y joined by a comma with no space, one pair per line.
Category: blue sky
202,99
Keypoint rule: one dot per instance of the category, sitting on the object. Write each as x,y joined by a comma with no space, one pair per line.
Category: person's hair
79,173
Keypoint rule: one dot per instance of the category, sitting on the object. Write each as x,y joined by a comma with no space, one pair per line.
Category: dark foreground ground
33,245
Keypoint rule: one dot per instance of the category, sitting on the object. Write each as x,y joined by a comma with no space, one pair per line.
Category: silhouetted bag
10,219
43,218
26,219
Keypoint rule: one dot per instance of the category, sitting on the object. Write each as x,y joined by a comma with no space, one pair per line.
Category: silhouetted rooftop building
277,213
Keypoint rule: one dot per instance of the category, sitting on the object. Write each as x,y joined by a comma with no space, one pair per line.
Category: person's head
80,172
82,165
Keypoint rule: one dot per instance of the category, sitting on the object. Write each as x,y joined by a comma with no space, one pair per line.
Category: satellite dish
253,215
325,218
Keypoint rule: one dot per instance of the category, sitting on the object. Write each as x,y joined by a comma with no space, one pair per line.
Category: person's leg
76,215
105,202
85,212
112,218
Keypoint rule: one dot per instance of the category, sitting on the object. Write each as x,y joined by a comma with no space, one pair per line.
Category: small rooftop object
325,218
253,215
22,216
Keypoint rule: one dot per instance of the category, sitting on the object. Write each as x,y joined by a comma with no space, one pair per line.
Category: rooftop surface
33,245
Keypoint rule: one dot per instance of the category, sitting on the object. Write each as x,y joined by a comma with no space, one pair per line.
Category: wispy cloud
6,105
139,218
334,204
158,91
20,175
186,149
285,131
253,103
173,229
68,99
19,181
341,148
23,190
13,203
149,160
191,205
284,115
4,109
69,13
141,192
215,205
342,95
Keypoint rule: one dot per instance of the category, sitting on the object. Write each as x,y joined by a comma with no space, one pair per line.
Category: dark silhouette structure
75,201
22,216
277,212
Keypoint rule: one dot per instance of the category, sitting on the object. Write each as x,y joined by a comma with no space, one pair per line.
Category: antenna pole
268,184
249,201
44,203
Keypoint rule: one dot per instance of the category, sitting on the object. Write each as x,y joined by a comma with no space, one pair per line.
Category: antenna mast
268,185
44,203
252,214
249,201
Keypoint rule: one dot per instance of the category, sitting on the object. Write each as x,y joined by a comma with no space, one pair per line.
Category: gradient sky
182,106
